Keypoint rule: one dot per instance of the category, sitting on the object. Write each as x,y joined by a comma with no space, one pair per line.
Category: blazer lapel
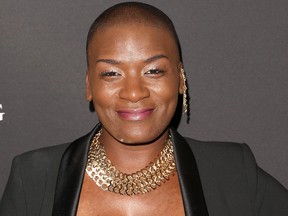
70,176
72,170
190,183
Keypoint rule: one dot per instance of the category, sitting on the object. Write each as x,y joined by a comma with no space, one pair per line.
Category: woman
134,162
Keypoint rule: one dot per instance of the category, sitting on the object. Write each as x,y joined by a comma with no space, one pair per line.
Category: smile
135,114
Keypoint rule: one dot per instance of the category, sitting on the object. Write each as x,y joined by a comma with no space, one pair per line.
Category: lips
135,114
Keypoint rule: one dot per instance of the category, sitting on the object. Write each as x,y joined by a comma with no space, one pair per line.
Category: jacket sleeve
272,197
269,196
13,199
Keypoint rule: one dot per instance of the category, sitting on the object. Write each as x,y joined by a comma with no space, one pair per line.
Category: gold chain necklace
108,178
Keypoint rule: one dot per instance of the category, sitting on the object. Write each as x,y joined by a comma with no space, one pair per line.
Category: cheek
167,93
166,98
103,95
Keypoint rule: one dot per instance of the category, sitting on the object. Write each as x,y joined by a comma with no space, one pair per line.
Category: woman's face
134,80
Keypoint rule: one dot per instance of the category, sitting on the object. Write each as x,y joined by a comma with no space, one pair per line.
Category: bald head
132,13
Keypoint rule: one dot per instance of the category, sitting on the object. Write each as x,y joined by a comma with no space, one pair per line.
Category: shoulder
227,162
37,169
224,158
45,153
221,151
213,145
231,167
32,180
42,157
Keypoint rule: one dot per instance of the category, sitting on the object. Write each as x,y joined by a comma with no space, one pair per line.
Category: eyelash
154,71
109,73
157,71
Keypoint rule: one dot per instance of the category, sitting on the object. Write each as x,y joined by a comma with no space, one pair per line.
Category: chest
165,200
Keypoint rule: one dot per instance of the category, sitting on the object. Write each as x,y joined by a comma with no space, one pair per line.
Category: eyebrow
109,61
115,62
154,58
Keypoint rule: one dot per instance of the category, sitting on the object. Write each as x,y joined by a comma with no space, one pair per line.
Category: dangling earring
185,102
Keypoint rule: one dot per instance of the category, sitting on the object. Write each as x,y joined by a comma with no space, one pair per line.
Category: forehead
131,42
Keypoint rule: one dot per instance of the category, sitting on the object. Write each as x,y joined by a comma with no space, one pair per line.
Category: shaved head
132,13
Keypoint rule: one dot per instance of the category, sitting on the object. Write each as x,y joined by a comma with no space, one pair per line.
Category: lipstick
135,114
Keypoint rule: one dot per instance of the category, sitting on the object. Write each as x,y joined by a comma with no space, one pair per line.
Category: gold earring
185,102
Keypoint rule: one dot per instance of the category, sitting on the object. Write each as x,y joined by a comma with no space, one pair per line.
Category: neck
130,158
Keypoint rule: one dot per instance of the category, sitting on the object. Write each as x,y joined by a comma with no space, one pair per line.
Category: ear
181,78
88,89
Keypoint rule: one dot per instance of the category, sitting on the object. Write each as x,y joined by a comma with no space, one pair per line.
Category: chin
140,136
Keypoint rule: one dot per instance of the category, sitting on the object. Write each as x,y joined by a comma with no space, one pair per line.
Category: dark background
235,55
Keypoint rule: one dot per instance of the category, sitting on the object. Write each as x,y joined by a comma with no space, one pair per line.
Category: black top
216,179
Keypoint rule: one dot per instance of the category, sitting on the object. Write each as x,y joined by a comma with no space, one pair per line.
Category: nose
134,89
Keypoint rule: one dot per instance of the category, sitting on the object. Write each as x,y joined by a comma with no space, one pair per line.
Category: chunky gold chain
108,178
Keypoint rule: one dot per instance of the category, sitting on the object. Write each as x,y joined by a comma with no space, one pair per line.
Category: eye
155,72
109,74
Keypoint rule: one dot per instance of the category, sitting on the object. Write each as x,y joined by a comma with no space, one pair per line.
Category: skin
134,80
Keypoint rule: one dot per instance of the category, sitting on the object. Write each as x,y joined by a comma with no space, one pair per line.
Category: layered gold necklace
108,178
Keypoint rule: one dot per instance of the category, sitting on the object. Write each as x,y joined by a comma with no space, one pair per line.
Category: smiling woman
134,84
134,162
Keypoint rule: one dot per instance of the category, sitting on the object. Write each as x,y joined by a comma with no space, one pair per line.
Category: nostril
134,91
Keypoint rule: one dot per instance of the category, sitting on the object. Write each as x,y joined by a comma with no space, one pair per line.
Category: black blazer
216,179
